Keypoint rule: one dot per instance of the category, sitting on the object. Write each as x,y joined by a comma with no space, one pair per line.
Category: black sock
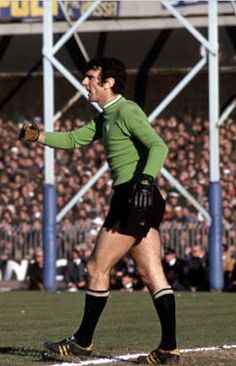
95,302
164,302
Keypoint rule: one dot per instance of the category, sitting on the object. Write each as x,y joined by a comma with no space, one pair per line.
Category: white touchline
102,361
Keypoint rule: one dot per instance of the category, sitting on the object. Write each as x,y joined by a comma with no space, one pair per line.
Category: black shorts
131,221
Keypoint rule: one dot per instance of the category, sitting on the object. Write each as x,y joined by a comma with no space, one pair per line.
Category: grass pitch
128,325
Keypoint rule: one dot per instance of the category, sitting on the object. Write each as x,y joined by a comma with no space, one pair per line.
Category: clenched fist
29,132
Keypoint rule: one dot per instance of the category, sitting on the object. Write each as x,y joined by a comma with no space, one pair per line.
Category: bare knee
153,278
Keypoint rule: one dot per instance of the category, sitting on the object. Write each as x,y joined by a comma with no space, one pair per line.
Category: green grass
128,325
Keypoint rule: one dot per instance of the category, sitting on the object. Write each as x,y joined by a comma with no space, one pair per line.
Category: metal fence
20,243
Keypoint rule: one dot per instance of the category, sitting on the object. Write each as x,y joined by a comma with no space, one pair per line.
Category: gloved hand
143,192
29,132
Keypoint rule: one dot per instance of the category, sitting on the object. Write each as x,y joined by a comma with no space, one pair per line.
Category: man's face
96,89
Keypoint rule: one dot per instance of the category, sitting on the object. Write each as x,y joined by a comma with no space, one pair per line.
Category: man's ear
109,83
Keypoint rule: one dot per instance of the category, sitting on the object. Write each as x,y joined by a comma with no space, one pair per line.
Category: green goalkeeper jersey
131,144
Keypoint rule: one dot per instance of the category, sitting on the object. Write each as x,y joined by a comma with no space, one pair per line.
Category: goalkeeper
135,154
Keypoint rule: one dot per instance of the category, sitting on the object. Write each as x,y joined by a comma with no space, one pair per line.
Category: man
174,269
75,275
196,270
135,154
35,271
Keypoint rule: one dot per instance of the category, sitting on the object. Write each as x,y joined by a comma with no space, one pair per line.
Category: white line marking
213,348
130,356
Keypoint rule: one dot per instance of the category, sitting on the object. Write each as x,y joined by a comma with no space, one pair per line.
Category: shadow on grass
40,355
36,354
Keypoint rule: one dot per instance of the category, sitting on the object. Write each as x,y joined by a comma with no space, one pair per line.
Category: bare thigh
110,247
147,257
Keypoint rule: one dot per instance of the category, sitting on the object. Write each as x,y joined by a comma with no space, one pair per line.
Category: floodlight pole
49,207
215,235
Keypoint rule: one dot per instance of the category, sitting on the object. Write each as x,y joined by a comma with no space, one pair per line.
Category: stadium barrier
20,244
18,270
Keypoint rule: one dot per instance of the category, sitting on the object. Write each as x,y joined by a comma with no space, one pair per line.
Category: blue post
215,238
49,237
49,209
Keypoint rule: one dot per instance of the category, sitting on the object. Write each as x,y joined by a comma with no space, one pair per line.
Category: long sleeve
73,139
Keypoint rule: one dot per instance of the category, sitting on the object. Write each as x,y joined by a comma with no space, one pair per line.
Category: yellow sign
24,8
34,8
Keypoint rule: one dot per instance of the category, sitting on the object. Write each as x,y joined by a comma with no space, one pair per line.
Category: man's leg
110,247
147,256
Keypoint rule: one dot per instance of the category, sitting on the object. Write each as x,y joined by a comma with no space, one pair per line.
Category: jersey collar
113,101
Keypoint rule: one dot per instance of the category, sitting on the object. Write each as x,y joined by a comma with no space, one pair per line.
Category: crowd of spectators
188,273
22,176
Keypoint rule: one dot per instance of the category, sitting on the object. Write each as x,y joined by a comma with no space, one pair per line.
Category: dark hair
169,250
110,67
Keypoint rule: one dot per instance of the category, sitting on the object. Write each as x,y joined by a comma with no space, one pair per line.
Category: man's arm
62,140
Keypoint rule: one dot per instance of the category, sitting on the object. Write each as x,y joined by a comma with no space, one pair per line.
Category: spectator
75,275
174,270
196,270
228,266
3,262
233,279
35,272
127,283
131,282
